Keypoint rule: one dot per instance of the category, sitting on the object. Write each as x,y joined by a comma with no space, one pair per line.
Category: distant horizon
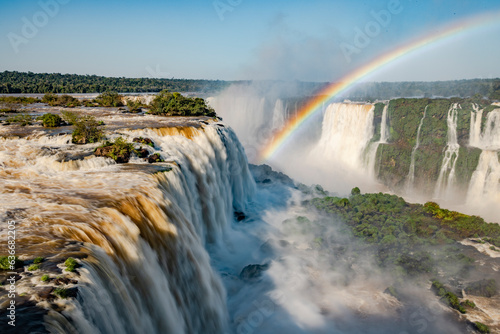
247,80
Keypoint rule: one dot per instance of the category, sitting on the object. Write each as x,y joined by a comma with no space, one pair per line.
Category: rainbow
281,137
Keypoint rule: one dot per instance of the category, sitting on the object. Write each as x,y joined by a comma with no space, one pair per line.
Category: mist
289,269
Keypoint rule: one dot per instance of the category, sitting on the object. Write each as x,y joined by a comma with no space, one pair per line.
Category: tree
51,120
86,130
355,191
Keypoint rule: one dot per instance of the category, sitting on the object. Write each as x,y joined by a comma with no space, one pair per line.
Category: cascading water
280,115
254,118
347,130
410,179
484,187
372,153
446,177
142,228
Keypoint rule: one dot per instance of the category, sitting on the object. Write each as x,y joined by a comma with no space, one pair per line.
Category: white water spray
347,130
410,179
446,177
372,152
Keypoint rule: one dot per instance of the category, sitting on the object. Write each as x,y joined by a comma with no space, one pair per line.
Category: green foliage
69,117
174,104
33,267
482,328
21,119
392,291
8,110
45,278
355,191
484,288
109,99
402,232
18,99
468,303
86,130
22,82
447,296
145,141
414,264
61,293
51,120
38,259
119,150
134,106
377,120
5,264
62,100
71,264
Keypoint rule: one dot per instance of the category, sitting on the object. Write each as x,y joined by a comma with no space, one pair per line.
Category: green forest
33,83
40,83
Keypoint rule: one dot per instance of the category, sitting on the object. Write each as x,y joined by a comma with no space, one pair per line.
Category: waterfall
279,115
484,189
476,117
447,173
485,182
253,117
384,133
489,138
410,179
346,132
372,152
141,230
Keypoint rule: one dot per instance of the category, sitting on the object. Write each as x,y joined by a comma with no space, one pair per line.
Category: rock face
445,152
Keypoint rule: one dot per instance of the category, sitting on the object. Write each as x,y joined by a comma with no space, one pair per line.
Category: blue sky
242,39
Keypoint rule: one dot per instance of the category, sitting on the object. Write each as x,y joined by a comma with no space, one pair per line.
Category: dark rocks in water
284,243
239,216
145,141
43,293
6,282
64,281
72,292
265,174
29,319
142,153
484,288
154,158
123,156
253,271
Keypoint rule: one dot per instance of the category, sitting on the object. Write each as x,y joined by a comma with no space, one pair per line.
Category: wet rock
145,141
239,216
43,293
109,151
64,281
7,279
253,271
154,158
142,153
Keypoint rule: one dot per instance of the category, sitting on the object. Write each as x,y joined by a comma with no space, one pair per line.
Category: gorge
204,242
